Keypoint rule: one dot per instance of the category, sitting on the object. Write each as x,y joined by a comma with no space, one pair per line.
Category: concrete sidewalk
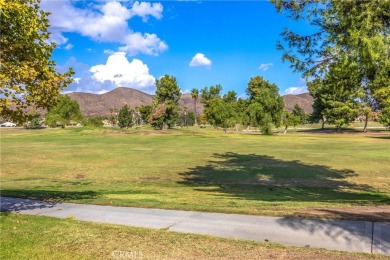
355,236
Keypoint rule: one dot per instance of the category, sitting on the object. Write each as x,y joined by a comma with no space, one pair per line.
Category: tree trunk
323,124
196,122
365,123
285,130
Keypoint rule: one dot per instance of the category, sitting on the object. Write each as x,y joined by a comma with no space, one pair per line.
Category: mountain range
100,104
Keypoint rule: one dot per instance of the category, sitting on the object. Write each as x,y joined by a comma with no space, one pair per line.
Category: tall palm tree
195,95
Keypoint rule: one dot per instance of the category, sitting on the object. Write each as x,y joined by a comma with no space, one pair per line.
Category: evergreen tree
265,104
350,50
298,112
166,103
125,117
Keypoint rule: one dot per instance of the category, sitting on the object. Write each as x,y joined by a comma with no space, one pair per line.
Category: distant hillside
100,104
305,101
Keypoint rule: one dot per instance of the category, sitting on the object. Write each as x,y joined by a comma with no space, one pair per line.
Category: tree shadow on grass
381,137
10,201
341,131
265,178
50,195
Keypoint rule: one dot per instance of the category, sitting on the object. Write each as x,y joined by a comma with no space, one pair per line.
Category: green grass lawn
197,169
36,237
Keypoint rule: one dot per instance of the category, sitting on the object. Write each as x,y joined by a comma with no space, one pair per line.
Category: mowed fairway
197,169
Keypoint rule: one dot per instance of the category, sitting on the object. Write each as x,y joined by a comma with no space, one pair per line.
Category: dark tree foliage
298,111
35,122
125,117
166,103
220,111
289,119
93,121
186,119
347,55
65,111
265,104
145,112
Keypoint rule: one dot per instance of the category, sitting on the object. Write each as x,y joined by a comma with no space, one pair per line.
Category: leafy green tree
352,36
35,122
316,91
145,111
230,97
125,117
384,117
65,111
209,94
186,118
338,93
93,121
195,95
298,111
166,103
203,119
219,111
243,113
137,118
368,107
28,77
265,104
289,119
113,116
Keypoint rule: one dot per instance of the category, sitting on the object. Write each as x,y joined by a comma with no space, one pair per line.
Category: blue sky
131,43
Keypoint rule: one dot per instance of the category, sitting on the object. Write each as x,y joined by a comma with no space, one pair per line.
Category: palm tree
195,95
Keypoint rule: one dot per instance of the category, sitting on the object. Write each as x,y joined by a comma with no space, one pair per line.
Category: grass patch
197,169
37,237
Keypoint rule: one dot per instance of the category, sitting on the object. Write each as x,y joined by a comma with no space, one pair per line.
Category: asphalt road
354,236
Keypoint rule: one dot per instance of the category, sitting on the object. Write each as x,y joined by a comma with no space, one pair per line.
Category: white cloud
296,90
68,46
107,22
143,43
200,60
58,38
83,80
76,80
102,91
144,9
265,66
242,95
118,69
108,52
